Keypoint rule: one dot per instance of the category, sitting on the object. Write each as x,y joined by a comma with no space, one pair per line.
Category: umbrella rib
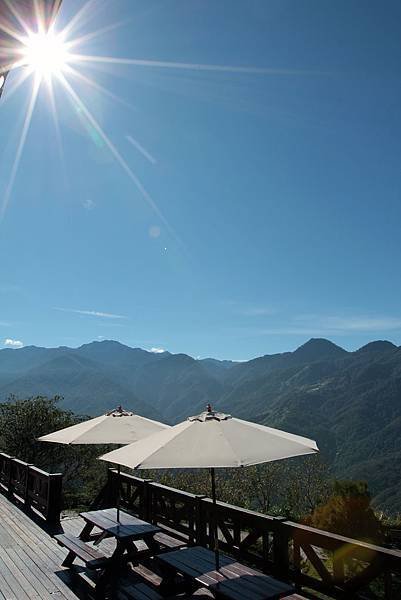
299,439
234,453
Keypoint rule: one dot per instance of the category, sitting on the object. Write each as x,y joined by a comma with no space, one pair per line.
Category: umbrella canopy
116,427
211,440
17,17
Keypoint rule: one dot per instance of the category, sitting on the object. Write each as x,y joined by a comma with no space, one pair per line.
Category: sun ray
78,18
15,85
91,82
141,149
179,65
21,145
12,65
11,7
11,33
46,54
116,154
94,34
39,17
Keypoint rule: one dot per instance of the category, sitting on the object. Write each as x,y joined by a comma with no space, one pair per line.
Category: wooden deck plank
11,576
32,581
29,559
6,591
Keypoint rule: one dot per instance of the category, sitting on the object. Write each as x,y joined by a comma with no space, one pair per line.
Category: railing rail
34,489
329,563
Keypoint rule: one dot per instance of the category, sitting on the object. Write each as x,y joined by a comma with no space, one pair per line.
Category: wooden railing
322,561
34,489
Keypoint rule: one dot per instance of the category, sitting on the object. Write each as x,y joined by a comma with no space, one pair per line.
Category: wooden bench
168,542
165,543
233,581
93,558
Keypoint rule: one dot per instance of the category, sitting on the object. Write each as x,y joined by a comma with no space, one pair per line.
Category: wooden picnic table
233,581
126,531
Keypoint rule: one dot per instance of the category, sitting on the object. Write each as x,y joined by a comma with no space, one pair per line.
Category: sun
45,53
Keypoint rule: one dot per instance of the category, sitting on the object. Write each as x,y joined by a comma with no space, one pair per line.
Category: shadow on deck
30,561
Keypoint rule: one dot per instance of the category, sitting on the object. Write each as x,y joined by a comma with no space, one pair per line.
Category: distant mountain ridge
350,402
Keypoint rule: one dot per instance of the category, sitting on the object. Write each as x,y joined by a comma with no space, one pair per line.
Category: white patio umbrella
116,427
211,440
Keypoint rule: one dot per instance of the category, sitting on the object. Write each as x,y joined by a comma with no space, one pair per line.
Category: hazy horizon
158,350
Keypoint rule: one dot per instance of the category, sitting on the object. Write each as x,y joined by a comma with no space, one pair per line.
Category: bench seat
93,558
169,542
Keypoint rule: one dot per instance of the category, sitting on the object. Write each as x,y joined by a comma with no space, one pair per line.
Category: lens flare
55,59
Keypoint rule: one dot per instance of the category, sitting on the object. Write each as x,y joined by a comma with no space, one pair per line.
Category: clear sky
273,191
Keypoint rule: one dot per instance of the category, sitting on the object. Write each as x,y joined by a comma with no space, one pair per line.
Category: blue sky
272,206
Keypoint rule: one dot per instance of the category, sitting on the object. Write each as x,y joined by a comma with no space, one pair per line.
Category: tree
23,421
304,484
348,512
291,488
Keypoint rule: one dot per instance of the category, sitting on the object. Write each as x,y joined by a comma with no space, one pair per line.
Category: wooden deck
315,560
30,560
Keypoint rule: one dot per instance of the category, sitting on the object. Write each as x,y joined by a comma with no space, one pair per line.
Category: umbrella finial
119,412
209,408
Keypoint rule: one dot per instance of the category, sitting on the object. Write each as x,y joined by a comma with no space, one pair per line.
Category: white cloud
157,350
91,313
13,343
320,325
363,323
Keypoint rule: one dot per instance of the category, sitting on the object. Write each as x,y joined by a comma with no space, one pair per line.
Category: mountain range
350,402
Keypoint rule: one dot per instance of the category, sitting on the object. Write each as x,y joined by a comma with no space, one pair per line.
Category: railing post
9,475
112,486
200,522
147,513
26,485
54,498
281,557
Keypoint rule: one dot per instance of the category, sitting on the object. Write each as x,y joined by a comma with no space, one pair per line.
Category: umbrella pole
215,528
118,493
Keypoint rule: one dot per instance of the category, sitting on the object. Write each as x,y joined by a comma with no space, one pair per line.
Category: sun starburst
56,58
45,53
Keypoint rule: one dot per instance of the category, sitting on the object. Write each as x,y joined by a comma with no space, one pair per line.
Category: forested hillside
350,402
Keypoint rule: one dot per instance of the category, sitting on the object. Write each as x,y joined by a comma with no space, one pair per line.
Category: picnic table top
233,580
127,527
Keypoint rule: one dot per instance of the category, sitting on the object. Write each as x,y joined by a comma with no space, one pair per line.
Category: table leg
101,584
109,576
153,545
69,559
86,531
